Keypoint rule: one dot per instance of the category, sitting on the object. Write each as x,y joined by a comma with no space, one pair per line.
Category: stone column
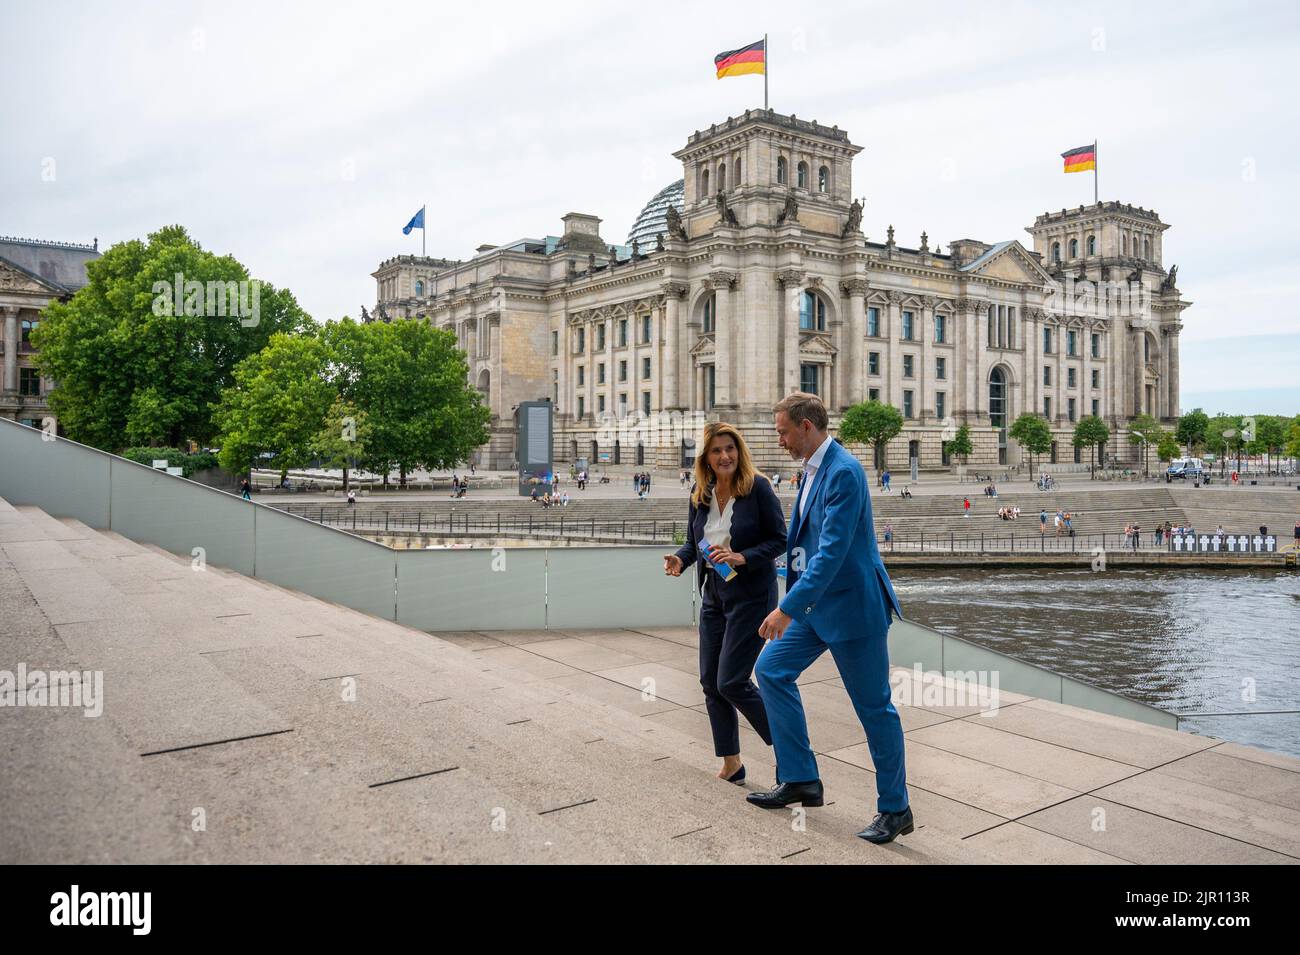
787,316
591,359
722,282
893,354
1138,369
1173,368
11,339
925,374
676,373
853,366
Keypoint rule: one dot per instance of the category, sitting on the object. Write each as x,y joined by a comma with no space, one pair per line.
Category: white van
1185,468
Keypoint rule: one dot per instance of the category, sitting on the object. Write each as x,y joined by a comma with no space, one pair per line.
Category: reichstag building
751,277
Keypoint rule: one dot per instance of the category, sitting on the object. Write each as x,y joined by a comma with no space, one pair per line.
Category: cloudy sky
301,137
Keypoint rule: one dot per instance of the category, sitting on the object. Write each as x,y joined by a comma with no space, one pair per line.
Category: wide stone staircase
242,722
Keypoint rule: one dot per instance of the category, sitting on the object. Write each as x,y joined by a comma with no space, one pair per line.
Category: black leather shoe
786,794
887,826
738,777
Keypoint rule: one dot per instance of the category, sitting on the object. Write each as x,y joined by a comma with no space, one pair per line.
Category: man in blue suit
838,597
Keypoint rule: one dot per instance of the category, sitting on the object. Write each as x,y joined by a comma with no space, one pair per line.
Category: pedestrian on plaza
1137,535
889,532
1042,521
1297,535
736,525
245,490
776,481
885,478
352,498
965,504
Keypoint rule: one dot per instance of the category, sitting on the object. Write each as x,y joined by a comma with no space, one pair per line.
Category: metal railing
670,532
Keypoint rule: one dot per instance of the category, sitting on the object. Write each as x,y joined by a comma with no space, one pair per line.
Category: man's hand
725,555
774,624
672,565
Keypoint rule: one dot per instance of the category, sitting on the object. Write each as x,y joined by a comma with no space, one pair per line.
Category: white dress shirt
810,468
717,526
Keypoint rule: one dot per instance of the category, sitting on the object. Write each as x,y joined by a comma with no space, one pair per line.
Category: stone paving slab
1143,837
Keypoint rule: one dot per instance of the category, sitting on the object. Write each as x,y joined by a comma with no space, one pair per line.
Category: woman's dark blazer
758,530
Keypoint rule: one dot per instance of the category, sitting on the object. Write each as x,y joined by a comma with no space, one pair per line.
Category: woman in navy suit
734,516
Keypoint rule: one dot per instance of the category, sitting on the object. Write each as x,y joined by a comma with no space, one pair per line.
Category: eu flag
417,222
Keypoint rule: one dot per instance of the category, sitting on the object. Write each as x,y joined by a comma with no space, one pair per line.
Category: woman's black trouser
729,645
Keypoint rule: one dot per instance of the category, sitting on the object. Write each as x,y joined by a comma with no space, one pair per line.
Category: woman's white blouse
717,527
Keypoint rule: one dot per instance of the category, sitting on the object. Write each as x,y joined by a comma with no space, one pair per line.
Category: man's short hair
799,406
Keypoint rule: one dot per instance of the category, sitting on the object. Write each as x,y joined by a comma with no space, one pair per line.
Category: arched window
1074,248
823,179
812,313
419,288
1056,252
1146,348
1092,245
722,177
1146,248
998,399
704,183
27,327
710,313
802,181
782,173
735,179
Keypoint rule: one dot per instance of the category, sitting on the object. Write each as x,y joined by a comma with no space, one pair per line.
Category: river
1191,642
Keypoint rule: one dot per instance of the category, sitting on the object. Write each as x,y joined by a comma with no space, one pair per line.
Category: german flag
748,59
1081,159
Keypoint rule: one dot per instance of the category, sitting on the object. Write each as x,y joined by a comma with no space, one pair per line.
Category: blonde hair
741,484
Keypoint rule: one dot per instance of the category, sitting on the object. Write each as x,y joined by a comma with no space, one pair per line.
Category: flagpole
1095,200
765,66
424,231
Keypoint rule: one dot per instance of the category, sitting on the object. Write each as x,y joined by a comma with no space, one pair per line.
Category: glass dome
653,220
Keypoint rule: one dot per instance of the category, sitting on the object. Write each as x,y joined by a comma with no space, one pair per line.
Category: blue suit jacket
835,579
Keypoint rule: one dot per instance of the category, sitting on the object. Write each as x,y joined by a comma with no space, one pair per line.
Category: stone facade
765,283
33,273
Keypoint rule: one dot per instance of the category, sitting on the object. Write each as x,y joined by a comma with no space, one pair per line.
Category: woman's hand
672,565
724,555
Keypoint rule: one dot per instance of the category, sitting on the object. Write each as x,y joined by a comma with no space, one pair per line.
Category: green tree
410,381
1032,433
1193,430
960,444
1292,448
1091,432
1215,442
873,423
341,442
1270,436
1146,431
277,405
136,366
1168,449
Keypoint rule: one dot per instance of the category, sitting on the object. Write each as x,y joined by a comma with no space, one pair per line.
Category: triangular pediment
816,346
1010,262
16,279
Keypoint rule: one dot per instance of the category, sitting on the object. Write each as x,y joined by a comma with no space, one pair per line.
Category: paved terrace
225,704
